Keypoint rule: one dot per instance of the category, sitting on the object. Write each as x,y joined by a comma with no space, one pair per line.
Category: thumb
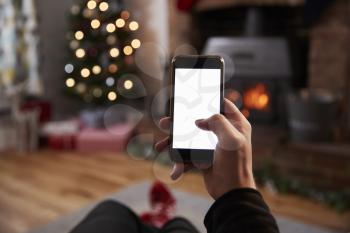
217,123
179,169
228,136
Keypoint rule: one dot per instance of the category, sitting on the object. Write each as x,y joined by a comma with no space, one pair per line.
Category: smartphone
196,93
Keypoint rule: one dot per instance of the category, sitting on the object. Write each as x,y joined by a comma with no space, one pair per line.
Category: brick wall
322,166
329,61
329,48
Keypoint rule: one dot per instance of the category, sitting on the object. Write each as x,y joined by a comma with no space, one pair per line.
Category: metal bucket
312,115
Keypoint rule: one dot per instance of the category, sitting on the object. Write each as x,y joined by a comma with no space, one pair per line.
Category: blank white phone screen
196,96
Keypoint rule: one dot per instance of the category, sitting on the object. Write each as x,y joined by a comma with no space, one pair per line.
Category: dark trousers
114,217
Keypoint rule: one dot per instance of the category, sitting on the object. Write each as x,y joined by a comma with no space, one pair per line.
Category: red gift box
60,135
61,142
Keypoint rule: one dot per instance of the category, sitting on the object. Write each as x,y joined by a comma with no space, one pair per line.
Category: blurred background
83,84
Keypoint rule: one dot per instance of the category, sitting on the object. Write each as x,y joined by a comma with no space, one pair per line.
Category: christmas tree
101,51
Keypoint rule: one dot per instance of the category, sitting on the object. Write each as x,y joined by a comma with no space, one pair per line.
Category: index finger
165,123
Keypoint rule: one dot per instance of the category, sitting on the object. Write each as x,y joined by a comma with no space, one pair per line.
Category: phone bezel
204,62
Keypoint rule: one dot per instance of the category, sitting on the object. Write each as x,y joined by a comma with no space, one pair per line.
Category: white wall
153,16
154,33
52,29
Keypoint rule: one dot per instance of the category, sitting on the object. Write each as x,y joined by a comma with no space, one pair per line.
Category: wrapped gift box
61,142
60,135
115,138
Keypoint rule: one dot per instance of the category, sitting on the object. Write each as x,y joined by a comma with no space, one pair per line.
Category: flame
256,97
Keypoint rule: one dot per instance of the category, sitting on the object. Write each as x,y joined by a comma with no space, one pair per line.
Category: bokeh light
95,23
91,4
127,50
74,44
128,84
111,39
103,6
120,23
114,52
110,27
112,96
96,69
85,72
136,43
88,13
133,25
125,14
70,82
112,68
69,68
80,53
97,92
81,88
110,81
79,35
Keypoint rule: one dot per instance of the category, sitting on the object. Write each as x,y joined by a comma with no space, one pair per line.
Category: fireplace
257,75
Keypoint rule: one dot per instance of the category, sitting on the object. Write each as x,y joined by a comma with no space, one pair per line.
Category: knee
108,216
110,204
111,207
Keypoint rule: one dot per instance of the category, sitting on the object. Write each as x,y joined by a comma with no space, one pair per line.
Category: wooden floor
35,189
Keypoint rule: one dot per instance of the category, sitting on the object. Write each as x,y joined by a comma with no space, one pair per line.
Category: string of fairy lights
108,68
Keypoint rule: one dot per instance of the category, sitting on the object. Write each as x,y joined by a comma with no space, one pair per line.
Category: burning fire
256,97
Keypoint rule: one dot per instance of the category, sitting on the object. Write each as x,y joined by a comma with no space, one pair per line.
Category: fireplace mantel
204,5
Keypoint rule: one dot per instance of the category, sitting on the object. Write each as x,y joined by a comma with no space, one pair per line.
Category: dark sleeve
241,211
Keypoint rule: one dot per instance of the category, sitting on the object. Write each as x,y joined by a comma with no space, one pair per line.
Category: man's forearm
240,210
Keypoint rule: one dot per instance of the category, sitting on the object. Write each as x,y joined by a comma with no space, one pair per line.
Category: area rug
189,205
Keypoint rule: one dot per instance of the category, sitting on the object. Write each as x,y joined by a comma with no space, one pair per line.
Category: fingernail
198,121
172,173
155,146
175,174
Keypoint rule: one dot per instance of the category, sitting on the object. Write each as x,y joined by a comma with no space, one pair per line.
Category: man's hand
232,163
